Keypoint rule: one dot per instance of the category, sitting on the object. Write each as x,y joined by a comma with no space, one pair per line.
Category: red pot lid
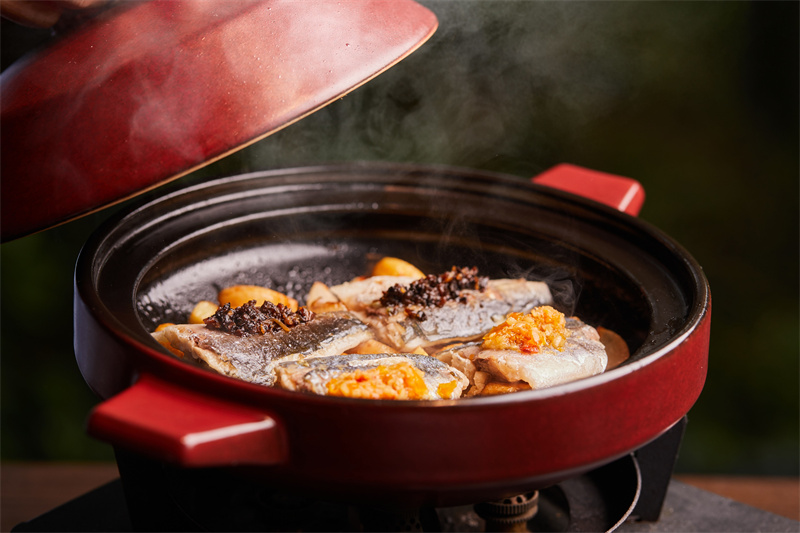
148,92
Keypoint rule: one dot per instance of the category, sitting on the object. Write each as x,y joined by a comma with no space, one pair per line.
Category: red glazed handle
625,194
188,428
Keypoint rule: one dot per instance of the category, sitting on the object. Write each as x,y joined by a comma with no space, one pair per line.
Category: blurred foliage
696,100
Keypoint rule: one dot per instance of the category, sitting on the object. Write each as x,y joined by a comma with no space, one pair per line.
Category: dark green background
696,100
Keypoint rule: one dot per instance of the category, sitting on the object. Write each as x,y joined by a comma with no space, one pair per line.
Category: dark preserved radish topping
435,291
247,319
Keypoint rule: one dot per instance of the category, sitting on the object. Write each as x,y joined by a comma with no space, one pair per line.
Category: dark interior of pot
286,229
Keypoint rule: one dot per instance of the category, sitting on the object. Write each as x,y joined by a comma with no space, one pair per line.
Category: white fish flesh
252,358
583,355
373,376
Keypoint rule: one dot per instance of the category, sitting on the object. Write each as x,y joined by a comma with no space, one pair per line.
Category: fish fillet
373,376
455,321
583,355
252,358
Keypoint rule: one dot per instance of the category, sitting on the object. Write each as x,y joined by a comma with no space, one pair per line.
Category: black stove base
686,509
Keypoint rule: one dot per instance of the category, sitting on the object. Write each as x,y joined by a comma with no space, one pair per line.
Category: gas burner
509,514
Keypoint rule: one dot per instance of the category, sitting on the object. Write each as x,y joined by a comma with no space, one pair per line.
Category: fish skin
453,322
312,374
583,356
358,295
252,358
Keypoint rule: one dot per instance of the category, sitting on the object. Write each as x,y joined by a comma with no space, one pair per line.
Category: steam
501,86
498,79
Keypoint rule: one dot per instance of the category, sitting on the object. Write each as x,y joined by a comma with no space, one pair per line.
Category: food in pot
543,327
238,295
407,313
372,346
373,376
616,347
390,336
433,291
241,294
247,319
393,266
252,356
529,351
202,310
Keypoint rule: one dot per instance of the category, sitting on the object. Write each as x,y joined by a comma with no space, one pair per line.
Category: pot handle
625,194
182,426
